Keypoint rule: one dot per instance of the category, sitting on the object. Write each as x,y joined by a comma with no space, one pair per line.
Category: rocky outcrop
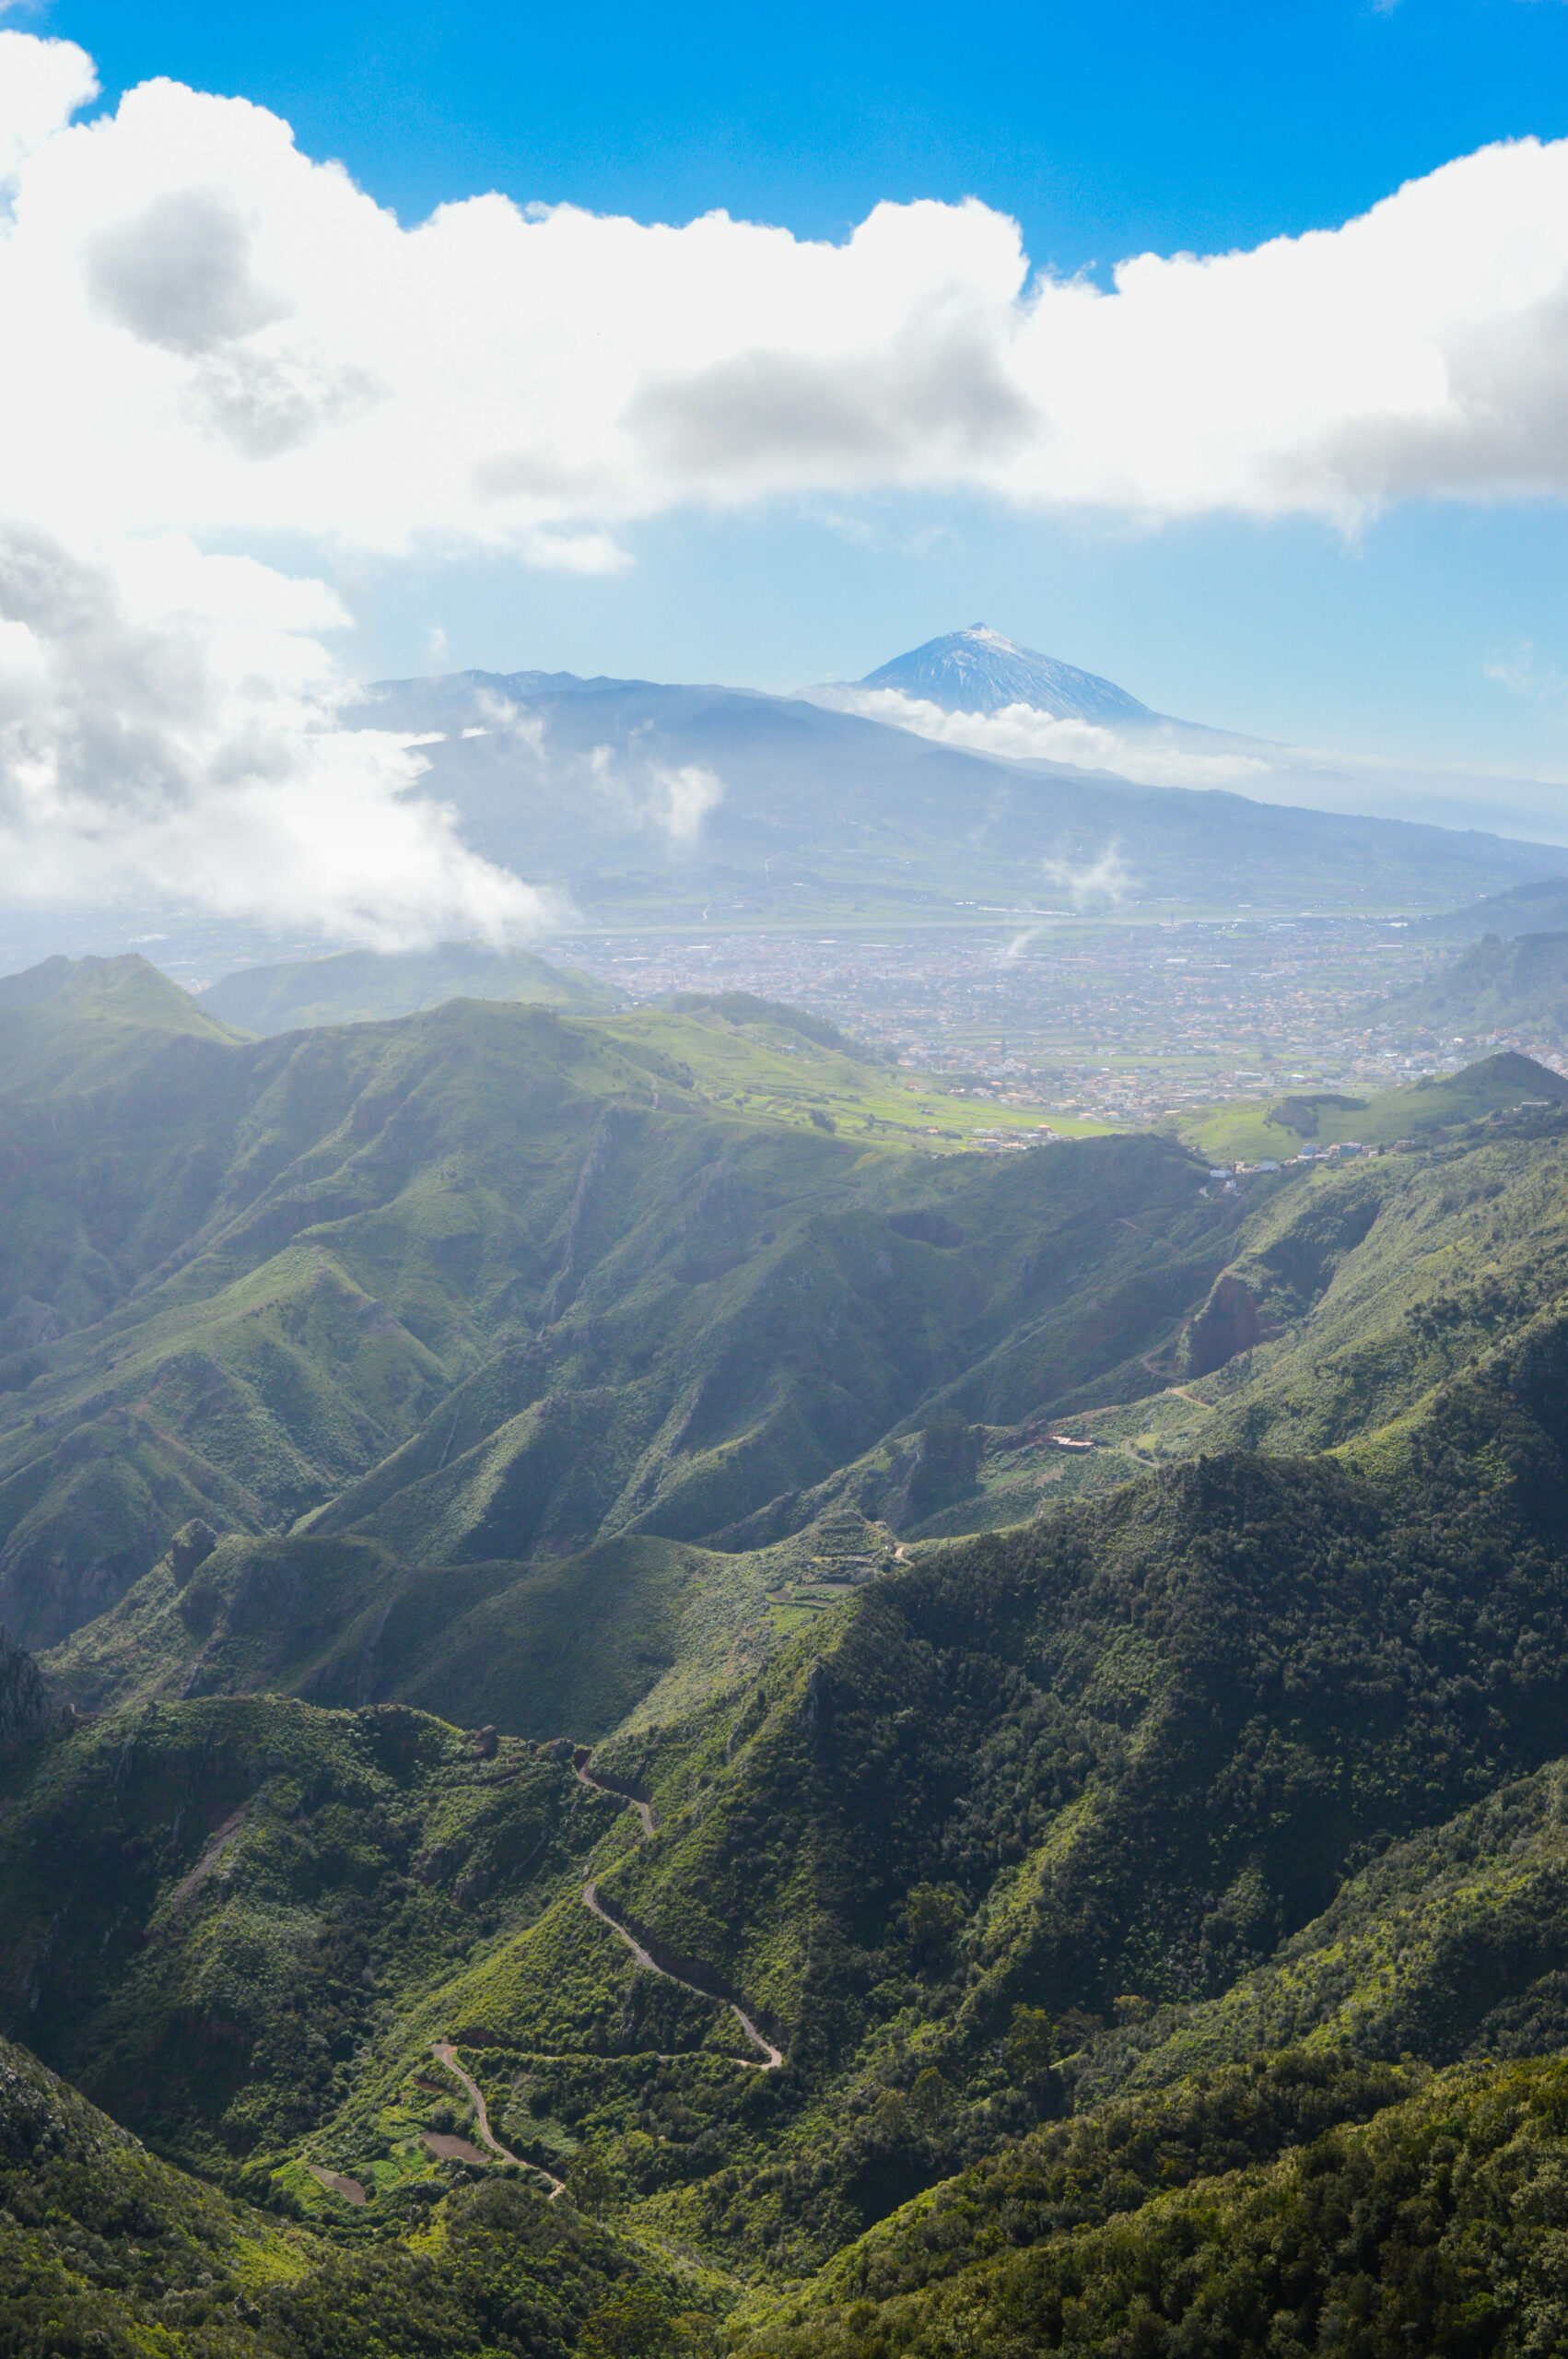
1232,1320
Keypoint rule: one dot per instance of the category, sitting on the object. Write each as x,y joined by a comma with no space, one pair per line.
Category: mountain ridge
1537,906
1141,1870
1509,984
639,800
368,986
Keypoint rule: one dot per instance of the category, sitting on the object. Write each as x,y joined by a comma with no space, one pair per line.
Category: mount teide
979,671
653,804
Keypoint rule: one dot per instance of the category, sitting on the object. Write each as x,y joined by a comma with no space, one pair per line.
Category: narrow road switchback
772,2058
445,2053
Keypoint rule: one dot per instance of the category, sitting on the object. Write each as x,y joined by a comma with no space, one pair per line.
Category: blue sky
1105,130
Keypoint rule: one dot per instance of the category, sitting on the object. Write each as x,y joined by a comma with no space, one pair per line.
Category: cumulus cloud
179,274
225,336
42,85
210,336
170,732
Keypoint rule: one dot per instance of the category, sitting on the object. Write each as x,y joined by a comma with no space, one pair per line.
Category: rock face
1230,1321
191,1546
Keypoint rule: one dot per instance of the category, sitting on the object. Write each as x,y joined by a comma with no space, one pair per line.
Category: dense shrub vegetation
515,1816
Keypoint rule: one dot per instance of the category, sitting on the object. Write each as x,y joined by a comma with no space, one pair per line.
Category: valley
661,1726
783,1384
1101,1016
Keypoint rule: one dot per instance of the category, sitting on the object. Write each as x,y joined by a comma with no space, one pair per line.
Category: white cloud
170,733
1525,672
1161,756
624,788
1177,754
42,85
633,789
1103,883
212,341
690,791
226,337
1103,880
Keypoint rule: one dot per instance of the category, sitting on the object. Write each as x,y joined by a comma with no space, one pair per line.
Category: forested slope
1141,1928
486,1283
1514,985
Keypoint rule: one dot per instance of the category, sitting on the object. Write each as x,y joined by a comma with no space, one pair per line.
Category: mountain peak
979,671
125,989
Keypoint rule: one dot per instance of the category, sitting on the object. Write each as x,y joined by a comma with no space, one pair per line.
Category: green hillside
772,1064
576,1642
1452,1946
127,990
364,986
1434,2226
68,1027
606,1773
397,1277
1539,906
1089,1773
1359,1289
1249,1133
106,2249
255,1860
1518,985
1072,1597
1354,1288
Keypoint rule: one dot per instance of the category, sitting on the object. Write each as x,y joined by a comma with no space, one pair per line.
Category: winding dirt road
445,2053
596,1785
772,2058
1145,1359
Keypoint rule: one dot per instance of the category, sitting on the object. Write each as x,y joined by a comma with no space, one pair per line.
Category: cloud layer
1166,755
216,342
1177,754
223,335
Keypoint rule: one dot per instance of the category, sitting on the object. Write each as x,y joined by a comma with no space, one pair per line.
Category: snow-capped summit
979,671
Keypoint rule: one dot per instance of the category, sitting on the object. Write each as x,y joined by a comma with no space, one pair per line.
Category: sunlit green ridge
538,1553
